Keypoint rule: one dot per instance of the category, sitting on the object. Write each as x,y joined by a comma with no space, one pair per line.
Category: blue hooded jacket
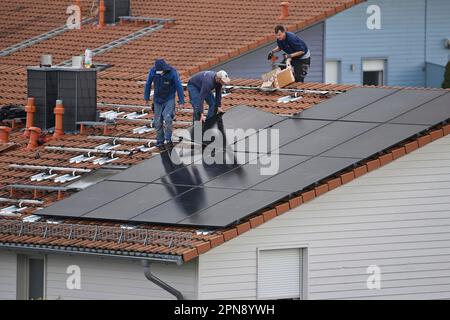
167,83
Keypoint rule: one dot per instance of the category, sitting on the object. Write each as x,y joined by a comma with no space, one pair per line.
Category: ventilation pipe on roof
284,10
35,133
101,15
148,274
59,126
4,134
30,109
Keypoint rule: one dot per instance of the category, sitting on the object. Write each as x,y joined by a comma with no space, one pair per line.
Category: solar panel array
319,142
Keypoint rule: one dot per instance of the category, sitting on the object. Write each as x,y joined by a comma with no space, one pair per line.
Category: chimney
30,109
35,133
4,134
101,14
59,124
284,10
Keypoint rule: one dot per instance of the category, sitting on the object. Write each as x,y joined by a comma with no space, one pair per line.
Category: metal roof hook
20,204
114,141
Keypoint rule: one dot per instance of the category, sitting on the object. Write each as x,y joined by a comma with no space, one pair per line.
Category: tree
446,83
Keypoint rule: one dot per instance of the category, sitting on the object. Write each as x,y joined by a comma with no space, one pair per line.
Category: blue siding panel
435,75
438,29
401,40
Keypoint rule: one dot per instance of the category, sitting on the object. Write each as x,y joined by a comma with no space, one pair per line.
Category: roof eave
131,255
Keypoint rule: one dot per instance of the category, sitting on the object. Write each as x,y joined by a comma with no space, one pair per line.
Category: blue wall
406,26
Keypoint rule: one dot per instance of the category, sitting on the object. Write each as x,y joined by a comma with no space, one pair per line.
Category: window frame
23,275
385,69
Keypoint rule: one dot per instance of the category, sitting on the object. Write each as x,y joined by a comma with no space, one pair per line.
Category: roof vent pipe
35,133
101,14
284,10
4,134
148,274
30,109
59,126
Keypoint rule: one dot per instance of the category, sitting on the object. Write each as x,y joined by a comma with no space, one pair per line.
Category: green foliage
446,83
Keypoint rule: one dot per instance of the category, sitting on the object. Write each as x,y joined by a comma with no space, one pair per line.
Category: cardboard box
269,78
284,78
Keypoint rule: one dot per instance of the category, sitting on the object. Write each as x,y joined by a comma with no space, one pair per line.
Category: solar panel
326,137
393,105
251,174
375,140
242,118
233,209
345,103
204,170
136,202
185,205
90,199
176,188
305,174
430,113
155,168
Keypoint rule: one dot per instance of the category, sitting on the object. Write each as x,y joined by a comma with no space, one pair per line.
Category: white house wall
8,273
396,218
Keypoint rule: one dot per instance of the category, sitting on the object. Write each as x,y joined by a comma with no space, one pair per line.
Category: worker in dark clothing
167,83
200,88
295,49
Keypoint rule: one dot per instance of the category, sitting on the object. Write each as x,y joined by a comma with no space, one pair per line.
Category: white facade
101,278
8,264
395,220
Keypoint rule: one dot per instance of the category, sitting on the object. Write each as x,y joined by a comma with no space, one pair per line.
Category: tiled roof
248,25
193,243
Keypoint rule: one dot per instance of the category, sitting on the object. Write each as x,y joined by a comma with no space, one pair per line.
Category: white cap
222,75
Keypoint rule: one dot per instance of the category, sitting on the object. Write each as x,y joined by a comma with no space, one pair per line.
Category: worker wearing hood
167,84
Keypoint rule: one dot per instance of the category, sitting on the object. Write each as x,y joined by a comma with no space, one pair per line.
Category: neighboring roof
205,33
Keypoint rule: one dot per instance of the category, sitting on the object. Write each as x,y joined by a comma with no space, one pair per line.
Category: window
30,277
374,72
281,274
332,72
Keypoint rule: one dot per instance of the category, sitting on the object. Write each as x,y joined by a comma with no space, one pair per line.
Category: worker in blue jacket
167,83
200,88
295,49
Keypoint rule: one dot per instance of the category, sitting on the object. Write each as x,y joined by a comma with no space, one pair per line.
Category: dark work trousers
301,68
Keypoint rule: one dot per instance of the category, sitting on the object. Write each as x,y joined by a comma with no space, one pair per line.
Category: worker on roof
295,49
167,83
200,88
